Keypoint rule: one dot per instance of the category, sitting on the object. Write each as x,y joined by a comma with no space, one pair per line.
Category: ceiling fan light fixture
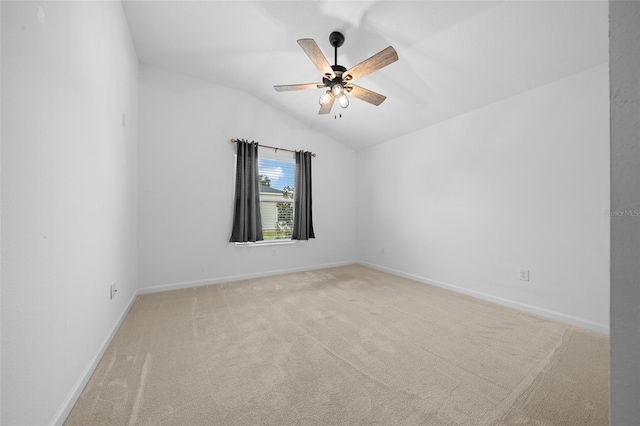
343,100
337,90
325,98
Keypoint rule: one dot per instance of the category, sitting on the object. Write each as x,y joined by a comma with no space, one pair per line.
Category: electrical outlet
524,275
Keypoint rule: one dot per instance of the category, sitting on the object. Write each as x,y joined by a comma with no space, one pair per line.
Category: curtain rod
274,147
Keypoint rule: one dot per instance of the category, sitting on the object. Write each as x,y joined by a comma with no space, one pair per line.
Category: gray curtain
303,217
247,221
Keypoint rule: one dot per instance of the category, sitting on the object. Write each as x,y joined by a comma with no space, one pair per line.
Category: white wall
522,183
69,72
625,198
186,176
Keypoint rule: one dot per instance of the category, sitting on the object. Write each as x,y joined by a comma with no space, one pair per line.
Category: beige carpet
342,346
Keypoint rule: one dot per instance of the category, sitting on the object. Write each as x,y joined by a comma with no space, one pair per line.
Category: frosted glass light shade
324,98
337,90
343,101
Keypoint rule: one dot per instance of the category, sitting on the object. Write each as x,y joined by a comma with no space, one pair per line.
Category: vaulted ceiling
455,56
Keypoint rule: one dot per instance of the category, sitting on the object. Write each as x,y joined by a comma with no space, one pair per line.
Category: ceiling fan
339,80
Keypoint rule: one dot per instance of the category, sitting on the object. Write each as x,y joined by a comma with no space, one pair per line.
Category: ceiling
455,56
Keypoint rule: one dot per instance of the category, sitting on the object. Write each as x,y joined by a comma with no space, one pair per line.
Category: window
276,195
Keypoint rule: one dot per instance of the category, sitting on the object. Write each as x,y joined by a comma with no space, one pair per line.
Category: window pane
276,198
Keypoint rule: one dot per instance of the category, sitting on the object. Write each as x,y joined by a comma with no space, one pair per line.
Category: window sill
267,243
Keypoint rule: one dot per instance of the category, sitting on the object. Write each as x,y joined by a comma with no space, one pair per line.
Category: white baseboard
188,284
70,401
569,319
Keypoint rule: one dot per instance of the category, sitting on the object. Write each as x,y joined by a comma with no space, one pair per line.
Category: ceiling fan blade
315,54
374,63
326,108
292,87
365,94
